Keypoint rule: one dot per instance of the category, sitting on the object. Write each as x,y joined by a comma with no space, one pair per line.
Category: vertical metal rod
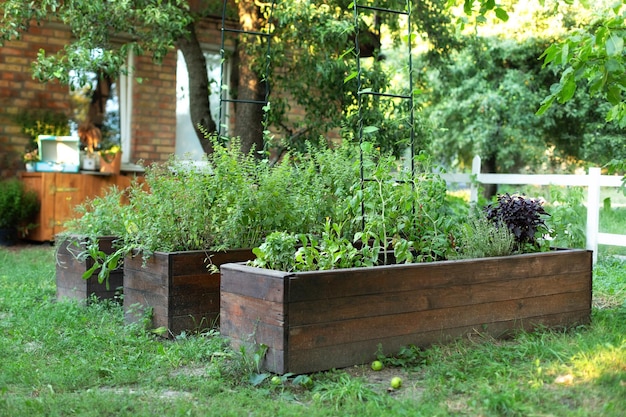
268,57
357,51
268,60
412,102
409,96
222,61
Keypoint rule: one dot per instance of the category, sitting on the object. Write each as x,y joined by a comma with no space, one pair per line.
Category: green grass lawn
69,359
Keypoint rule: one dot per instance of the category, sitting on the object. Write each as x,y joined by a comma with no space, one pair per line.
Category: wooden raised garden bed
178,288
314,321
69,272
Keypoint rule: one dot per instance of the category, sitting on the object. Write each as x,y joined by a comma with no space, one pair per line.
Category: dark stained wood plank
393,302
258,283
195,304
343,283
325,334
234,307
190,262
158,263
144,281
205,281
302,361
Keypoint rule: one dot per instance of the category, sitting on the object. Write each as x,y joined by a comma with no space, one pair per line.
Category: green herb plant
567,217
394,215
482,238
229,200
98,216
400,209
332,251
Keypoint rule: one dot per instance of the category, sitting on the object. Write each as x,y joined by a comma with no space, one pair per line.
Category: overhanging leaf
502,14
569,88
545,105
614,95
614,45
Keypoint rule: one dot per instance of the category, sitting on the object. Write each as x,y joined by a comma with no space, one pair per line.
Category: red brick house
152,118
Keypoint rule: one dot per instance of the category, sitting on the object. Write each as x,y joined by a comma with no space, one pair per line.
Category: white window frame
126,106
193,150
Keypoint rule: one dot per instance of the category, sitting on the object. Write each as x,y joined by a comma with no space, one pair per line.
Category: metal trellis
267,34
362,92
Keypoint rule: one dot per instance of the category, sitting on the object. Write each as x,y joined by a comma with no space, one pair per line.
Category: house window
187,142
101,109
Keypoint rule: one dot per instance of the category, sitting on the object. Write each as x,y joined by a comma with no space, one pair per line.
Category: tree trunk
199,91
249,116
488,166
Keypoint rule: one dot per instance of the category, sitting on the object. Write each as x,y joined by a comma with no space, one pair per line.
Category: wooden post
474,180
593,211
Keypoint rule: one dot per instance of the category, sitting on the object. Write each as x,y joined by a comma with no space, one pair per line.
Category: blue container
58,154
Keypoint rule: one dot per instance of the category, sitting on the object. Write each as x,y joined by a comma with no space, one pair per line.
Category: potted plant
110,158
17,208
30,158
337,300
40,122
93,234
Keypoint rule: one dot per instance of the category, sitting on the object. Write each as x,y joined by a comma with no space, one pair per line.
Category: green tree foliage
148,25
311,51
593,54
483,104
316,40
483,99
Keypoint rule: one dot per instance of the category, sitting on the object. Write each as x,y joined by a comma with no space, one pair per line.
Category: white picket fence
593,181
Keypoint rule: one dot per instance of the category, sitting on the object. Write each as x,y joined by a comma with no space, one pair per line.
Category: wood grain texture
315,321
69,272
59,193
178,288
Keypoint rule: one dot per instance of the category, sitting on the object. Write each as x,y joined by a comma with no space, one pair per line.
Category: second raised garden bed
178,289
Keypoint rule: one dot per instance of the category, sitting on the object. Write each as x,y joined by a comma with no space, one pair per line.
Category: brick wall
154,110
153,126
20,92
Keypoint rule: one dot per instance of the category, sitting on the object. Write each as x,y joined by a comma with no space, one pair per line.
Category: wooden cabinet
59,193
